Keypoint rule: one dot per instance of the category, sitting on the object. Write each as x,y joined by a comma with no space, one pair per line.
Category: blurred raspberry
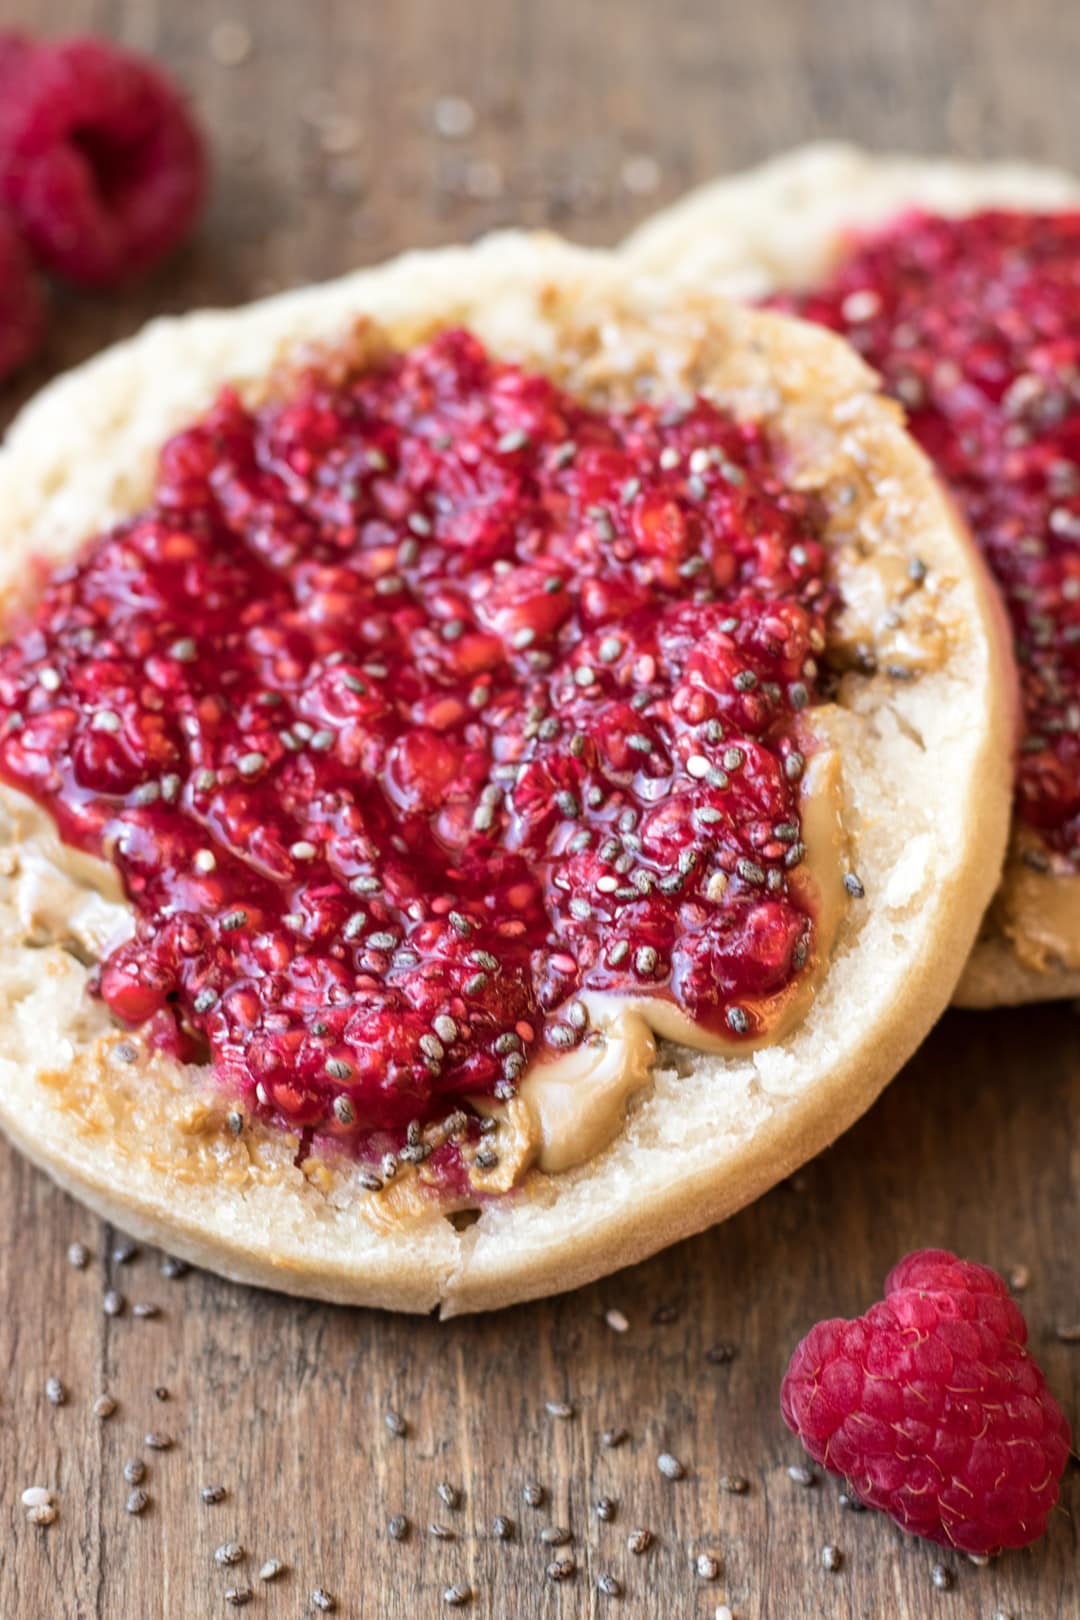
22,309
102,166
933,1409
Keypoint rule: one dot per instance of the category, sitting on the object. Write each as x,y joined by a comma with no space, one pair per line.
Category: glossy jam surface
415,703
975,326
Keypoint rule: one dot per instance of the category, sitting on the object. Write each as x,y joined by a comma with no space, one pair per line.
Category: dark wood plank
586,117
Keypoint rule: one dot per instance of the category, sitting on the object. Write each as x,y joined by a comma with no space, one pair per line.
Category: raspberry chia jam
974,324
419,700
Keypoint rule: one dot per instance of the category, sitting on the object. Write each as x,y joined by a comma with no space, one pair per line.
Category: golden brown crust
151,1145
782,225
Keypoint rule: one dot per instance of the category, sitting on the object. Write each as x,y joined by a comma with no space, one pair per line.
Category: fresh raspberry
101,164
22,309
933,1409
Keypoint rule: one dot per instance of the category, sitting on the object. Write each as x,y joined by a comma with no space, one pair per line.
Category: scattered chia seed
616,1321
847,1499
104,1407
78,1255
561,1569
138,1501
502,1528
1068,1333
670,1466
55,1393
943,1579
145,1311
734,1484
396,1424
156,1441
853,885
113,1304
737,1020
720,1354
611,1438
229,1553
234,1119
322,1600
398,1527
639,1541
533,1494
448,1493
238,1596
708,1567
134,1470
800,1475
43,1514
212,1494
608,1585
457,1596
441,1532
605,1509
1019,1278
271,1569
339,1069
646,961
559,1409
831,1557
555,1535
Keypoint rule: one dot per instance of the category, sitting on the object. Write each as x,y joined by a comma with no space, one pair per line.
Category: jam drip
975,326
414,704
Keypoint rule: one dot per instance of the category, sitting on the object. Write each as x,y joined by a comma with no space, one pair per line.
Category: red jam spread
418,701
975,325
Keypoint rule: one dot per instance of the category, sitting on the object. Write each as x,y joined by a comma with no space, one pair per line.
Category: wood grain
587,116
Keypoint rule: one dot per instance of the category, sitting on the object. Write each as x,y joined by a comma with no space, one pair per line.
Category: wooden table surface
327,154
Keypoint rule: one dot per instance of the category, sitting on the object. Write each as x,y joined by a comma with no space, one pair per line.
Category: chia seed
708,1567
561,1569
612,1438
670,1466
502,1528
943,1579
398,1527
212,1494
113,1303
229,1553
533,1494
831,1557
605,1509
138,1501
396,1424
639,1541
609,1585
78,1255
55,1393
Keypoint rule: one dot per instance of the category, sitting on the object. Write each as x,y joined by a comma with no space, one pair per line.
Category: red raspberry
22,309
933,1409
102,166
